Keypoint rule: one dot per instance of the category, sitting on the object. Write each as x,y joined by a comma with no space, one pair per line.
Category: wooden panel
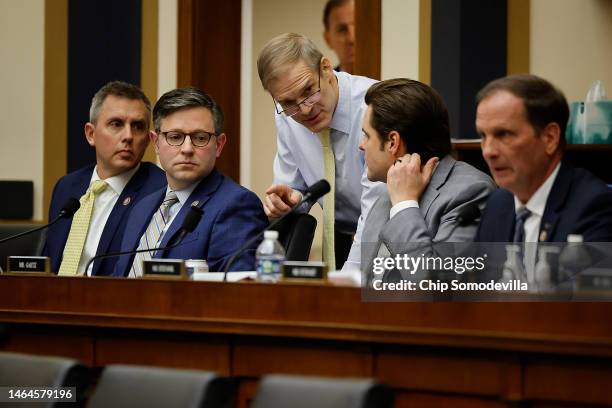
461,372
209,58
569,380
55,97
368,36
405,399
256,358
518,36
148,59
425,41
52,341
164,350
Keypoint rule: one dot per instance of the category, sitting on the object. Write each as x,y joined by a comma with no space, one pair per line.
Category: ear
154,138
551,136
396,144
89,133
326,65
221,139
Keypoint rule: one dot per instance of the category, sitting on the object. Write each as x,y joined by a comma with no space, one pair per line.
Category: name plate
164,268
28,264
595,279
304,271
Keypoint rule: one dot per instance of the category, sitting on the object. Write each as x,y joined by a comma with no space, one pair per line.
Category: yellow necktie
79,228
329,201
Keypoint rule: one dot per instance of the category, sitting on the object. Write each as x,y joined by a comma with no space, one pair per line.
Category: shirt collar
537,202
341,119
184,194
118,182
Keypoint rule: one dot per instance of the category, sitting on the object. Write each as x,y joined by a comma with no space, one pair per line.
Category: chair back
134,387
281,391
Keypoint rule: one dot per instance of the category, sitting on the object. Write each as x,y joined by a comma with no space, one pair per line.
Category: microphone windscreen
319,189
70,207
468,214
192,219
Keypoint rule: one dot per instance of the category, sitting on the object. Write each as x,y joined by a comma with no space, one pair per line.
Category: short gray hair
122,90
284,49
183,98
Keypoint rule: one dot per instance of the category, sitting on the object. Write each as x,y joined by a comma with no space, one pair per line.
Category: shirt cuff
402,205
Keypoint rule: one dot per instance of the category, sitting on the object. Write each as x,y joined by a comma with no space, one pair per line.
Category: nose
351,34
128,133
187,147
362,144
489,148
305,109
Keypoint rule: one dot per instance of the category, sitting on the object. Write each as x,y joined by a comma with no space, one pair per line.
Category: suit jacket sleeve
239,221
408,233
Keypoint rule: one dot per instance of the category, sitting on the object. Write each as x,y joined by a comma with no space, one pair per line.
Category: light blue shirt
299,159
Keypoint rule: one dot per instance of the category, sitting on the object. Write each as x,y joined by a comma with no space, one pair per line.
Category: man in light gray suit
406,125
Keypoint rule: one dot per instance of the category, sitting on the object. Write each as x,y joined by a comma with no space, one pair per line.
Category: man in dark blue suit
522,120
118,129
189,138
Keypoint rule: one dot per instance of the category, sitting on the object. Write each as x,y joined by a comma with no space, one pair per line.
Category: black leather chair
25,370
295,233
29,245
134,387
282,391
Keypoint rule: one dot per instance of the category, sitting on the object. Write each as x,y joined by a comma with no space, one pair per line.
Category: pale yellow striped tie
79,228
329,201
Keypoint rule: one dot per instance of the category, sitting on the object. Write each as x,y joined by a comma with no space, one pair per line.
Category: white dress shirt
299,158
103,206
537,205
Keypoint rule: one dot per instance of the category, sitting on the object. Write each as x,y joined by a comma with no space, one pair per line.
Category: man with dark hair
406,125
188,139
339,34
522,120
118,129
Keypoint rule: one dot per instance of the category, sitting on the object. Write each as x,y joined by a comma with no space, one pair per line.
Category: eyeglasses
198,139
294,109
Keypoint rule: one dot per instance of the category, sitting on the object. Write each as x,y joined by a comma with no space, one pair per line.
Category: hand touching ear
407,179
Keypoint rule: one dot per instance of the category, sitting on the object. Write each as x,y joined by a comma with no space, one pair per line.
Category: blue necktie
519,226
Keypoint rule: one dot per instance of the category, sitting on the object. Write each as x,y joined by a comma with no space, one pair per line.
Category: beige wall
400,39
571,44
21,105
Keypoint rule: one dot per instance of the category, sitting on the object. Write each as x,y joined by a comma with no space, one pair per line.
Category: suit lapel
555,203
438,179
202,193
124,203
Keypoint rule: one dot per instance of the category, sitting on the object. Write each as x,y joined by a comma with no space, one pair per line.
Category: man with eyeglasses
118,130
188,139
318,118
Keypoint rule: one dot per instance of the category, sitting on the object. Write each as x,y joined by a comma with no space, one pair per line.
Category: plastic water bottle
270,256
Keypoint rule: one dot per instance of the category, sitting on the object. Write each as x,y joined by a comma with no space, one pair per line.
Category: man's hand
280,199
406,179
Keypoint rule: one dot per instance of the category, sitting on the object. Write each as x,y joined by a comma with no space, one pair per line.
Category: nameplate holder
164,268
28,264
300,271
595,280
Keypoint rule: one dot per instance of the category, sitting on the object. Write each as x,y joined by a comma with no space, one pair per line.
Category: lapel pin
195,203
543,236
127,201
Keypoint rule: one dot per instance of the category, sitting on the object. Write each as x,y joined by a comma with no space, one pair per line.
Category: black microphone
466,215
191,221
70,207
312,194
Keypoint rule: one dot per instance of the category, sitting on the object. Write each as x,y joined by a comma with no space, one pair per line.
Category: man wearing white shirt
318,118
407,145
118,130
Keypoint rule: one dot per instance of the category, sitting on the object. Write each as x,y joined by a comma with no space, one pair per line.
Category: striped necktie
151,236
79,229
329,201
